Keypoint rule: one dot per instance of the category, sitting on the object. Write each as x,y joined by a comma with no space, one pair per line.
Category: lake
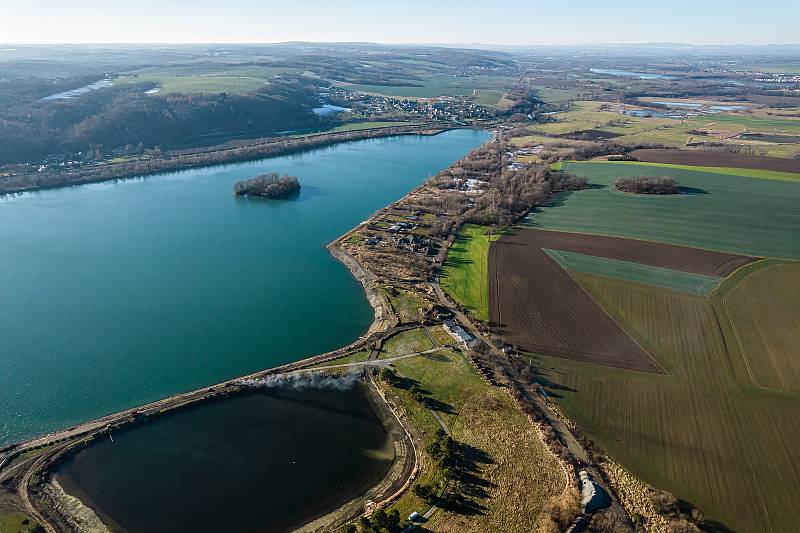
267,461
116,294
630,74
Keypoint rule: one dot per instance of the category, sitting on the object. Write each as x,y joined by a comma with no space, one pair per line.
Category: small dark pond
267,461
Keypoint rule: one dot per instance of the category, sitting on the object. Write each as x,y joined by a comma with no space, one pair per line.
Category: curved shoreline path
118,294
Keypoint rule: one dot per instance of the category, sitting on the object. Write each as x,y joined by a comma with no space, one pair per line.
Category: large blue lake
116,294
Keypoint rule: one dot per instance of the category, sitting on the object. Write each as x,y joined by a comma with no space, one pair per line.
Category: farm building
459,333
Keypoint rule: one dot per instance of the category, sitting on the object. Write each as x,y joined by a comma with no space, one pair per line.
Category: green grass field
353,126
438,85
705,431
725,171
487,97
696,284
465,274
520,474
406,342
206,78
739,121
589,115
720,212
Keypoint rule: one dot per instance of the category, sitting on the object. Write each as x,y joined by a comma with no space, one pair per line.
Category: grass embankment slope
465,274
722,428
515,472
718,212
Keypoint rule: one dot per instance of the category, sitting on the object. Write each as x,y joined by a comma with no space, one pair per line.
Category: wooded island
269,185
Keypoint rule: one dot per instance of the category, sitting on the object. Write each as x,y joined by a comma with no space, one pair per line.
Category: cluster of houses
468,186
400,236
515,164
446,109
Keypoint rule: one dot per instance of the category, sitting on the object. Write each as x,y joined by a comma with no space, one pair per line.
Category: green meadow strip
696,284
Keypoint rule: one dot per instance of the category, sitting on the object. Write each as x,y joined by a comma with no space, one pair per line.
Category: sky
506,22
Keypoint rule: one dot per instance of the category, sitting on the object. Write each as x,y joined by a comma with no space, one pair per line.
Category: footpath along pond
116,294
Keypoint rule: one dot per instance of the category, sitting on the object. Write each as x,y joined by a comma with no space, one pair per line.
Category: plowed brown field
716,159
540,308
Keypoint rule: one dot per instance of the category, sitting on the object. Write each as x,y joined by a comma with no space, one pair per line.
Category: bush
647,185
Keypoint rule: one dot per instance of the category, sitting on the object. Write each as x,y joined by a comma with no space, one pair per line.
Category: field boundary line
617,322
732,324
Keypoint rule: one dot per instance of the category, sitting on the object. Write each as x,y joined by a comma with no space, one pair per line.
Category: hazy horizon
518,23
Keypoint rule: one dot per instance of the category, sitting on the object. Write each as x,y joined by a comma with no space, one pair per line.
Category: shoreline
202,158
39,473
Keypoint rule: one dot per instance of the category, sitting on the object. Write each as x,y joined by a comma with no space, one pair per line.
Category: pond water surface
268,461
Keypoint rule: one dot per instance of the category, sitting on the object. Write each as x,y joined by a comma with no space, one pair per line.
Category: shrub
647,185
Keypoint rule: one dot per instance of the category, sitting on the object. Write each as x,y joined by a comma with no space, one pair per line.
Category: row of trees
156,161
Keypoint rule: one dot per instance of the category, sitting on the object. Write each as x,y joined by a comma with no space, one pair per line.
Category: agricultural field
432,86
552,95
589,115
464,275
205,78
774,167
508,493
697,284
537,306
762,308
604,119
719,440
719,426
487,97
737,214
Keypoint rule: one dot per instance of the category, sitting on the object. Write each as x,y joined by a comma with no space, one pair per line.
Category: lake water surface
116,294
267,461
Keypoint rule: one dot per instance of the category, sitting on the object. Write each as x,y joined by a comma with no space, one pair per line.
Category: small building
458,333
